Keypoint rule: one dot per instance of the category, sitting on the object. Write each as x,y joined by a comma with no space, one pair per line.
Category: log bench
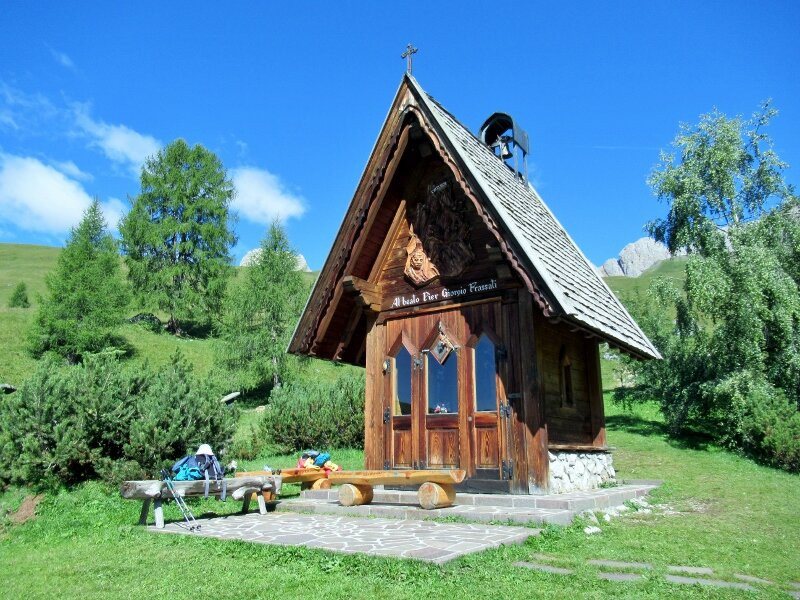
264,488
436,487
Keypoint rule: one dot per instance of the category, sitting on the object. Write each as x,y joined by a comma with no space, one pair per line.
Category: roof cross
410,50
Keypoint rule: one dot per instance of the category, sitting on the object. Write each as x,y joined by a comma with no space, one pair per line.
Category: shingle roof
572,281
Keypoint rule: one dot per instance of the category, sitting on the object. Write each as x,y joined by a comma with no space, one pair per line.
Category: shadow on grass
630,423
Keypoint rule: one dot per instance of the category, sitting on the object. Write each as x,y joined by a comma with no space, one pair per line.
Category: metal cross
410,50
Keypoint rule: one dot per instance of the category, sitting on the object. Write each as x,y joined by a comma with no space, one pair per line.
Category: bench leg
436,495
262,506
145,511
355,494
246,503
158,511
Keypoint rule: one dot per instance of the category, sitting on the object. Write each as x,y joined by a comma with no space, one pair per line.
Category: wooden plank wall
392,277
569,424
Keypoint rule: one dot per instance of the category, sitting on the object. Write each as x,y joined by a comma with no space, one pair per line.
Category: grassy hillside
671,269
19,262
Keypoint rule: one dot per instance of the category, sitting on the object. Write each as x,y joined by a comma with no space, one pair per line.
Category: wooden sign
439,294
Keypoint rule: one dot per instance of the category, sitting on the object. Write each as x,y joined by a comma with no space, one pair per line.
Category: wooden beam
533,397
367,295
375,341
155,489
353,320
595,390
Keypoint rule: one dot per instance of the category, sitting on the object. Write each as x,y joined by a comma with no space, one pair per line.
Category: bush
315,414
68,424
19,297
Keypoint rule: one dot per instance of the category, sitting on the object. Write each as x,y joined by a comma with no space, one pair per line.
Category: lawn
718,510
726,513
30,264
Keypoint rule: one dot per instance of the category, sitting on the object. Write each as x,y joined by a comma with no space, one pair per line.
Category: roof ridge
577,287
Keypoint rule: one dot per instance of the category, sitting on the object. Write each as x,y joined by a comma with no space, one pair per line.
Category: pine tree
19,297
261,314
86,294
176,236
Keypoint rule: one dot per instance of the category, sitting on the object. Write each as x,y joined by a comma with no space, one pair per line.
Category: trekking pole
187,514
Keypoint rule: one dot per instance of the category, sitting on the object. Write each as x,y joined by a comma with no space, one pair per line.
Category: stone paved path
423,540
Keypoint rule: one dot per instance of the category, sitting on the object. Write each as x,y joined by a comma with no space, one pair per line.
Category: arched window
567,398
402,382
443,385
485,375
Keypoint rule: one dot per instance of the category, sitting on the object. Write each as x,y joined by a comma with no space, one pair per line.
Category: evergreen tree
261,314
86,294
176,237
19,297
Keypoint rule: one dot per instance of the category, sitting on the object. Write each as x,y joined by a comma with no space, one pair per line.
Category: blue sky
291,97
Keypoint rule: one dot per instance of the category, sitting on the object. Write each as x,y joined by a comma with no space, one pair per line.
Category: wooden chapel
475,315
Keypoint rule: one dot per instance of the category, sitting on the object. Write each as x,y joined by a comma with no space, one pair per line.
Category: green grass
732,515
673,269
30,264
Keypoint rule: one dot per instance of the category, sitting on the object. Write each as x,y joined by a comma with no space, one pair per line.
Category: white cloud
119,143
25,112
262,198
69,168
38,197
113,210
61,57
6,118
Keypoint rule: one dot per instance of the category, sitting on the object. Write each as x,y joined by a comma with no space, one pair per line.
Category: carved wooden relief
442,228
419,268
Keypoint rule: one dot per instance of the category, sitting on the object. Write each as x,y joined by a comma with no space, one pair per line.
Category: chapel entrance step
558,509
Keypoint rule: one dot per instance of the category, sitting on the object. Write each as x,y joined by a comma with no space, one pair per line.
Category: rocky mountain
635,258
252,255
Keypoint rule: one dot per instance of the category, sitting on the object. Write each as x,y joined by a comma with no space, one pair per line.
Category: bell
502,145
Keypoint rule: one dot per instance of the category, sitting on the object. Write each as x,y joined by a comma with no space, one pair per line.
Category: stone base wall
574,471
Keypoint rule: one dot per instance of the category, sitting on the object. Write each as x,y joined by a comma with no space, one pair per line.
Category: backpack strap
205,486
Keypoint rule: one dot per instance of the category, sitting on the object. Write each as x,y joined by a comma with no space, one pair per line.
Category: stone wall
572,471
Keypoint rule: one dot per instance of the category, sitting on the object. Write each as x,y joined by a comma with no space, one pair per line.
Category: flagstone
620,576
708,582
424,540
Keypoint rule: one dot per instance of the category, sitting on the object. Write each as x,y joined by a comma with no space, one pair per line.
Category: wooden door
446,392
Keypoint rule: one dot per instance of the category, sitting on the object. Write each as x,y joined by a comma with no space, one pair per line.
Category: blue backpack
195,467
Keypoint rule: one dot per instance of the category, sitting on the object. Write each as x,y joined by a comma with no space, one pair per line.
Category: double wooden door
446,404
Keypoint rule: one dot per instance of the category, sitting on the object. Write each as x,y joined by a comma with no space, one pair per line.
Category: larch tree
261,313
177,237
86,294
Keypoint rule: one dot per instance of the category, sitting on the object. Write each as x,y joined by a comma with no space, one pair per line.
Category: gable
500,231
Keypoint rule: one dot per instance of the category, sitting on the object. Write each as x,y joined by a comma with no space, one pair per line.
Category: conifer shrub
317,414
69,424
19,297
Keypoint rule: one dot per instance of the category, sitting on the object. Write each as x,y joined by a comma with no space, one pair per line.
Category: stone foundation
575,471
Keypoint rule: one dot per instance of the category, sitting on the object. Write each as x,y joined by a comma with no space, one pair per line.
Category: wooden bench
436,487
263,487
